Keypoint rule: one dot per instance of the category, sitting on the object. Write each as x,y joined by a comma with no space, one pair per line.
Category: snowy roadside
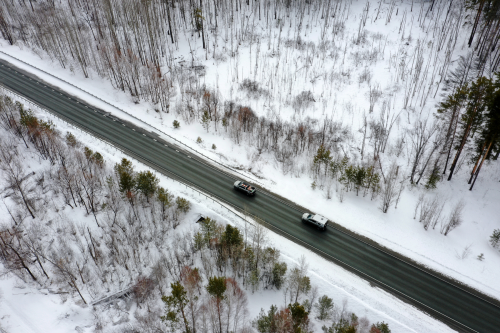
28,309
396,230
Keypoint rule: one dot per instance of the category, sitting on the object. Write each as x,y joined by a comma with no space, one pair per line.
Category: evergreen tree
175,305
300,318
488,140
341,326
182,205
382,327
231,238
495,239
324,307
477,95
216,288
359,178
205,120
278,275
71,140
434,177
322,157
451,108
165,198
146,183
126,180
266,322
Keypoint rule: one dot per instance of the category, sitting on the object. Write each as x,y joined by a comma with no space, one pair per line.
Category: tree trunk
452,137
480,165
462,144
477,162
202,26
476,22
73,284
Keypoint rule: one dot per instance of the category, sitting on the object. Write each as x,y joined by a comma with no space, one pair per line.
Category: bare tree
454,219
420,136
389,191
430,211
20,184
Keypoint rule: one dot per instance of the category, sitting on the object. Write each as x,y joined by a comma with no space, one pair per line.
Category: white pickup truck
319,221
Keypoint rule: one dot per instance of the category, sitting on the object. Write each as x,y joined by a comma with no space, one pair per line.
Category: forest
322,90
181,279
135,44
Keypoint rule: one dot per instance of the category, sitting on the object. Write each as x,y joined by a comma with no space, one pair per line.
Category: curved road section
458,306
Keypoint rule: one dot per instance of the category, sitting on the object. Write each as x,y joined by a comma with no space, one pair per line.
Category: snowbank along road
458,306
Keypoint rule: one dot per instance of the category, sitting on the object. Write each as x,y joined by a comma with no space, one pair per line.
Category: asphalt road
458,306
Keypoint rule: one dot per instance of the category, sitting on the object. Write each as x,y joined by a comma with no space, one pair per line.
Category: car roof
320,219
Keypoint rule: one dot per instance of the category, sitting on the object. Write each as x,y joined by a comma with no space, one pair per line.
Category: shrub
199,140
495,239
433,179
252,88
278,275
214,146
324,307
176,124
183,205
143,289
380,327
71,140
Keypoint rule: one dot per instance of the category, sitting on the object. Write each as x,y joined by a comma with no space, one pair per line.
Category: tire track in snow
22,318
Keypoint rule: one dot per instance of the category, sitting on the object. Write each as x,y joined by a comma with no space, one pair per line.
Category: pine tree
495,239
488,140
205,120
231,239
324,306
452,107
216,288
359,178
71,140
278,275
175,305
434,177
125,173
165,199
266,323
477,95
146,183
382,327
300,317
322,157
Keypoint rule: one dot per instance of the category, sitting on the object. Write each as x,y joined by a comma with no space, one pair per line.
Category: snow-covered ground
27,309
454,255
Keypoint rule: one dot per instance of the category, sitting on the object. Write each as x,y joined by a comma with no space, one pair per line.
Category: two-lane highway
457,306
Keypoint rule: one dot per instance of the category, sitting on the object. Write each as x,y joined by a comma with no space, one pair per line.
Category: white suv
317,220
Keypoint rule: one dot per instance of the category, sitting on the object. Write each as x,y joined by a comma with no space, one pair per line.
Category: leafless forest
130,247
398,144
135,44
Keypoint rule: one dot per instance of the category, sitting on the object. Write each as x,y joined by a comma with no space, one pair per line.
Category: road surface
458,306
